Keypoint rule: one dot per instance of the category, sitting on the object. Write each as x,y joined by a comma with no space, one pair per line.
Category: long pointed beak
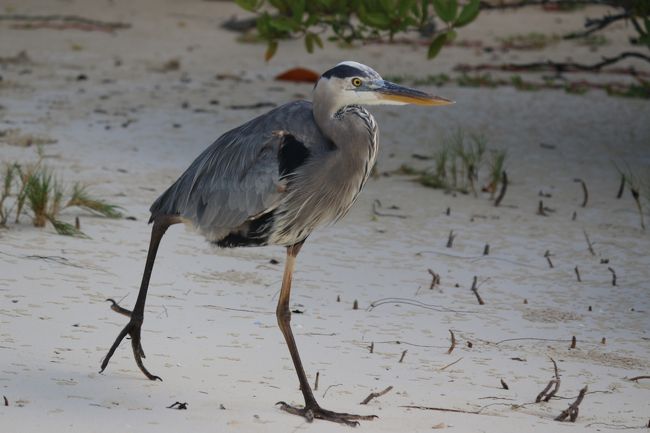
395,93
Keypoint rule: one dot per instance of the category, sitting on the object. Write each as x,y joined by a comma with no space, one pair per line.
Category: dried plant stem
613,275
401,359
577,271
589,244
585,193
376,395
450,239
475,290
572,411
453,342
504,187
637,200
547,255
554,383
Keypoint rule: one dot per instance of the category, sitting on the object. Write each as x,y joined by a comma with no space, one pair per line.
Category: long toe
318,412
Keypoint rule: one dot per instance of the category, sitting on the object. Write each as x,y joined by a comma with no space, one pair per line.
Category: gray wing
238,176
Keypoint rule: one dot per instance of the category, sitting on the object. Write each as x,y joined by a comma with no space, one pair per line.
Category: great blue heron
272,181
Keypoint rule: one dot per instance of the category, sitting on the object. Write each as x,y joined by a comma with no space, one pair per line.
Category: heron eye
356,82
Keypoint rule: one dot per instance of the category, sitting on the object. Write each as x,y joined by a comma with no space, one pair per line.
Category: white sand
210,329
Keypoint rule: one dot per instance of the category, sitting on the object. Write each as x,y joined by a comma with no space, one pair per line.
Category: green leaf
436,45
451,35
375,19
318,40
446,9
249,5
298,10
468,13
283,24
309,42
271,48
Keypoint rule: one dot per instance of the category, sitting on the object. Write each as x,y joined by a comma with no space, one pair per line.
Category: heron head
354,83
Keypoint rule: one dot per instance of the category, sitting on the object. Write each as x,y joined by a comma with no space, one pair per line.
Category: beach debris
590,246
453,342
610,269
541,210
504,385
631,379
584,192
475,290
401,359
574,341
450,239
178,405
338,298
470,344
442,409
450,364
273,261
547,255
435,279
355,305
547,393
372,347
377,205
374,395
574,216
298,75
62,22
316,381
603,340
572,411
502,191
328,388
448,211
6,401
486,250
577,271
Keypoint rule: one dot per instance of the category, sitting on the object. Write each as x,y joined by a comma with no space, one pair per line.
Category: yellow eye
356,82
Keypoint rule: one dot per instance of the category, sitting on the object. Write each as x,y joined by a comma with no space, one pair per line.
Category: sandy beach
123,120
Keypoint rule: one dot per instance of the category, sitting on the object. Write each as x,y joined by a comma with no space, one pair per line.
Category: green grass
36,191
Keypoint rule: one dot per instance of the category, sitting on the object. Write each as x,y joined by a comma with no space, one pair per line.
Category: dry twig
572,411
401,359
555,383
376,394
504,187
450,239
590,246
584,192
475,290
613,275
453,342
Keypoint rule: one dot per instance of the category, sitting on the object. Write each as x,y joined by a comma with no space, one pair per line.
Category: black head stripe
344,71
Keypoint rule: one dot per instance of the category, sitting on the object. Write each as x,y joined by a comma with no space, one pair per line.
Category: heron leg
133,328
311,409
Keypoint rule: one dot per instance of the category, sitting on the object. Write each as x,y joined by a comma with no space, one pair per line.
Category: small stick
555,383
448,211
486,250
316,381
77,223
178,405
331,386
577,274
504,187
547,254
475,290
453,342
540,209
603,340
450,240
355,305
375,395
589,244
635,194
630,379
440,409
574,216
402,357
613,275
6,401
572,411
338,298
504,385
372,347
450,364
435,279
584,192
621,187
574,341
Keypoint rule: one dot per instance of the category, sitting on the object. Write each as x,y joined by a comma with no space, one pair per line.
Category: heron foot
133,329
311,411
